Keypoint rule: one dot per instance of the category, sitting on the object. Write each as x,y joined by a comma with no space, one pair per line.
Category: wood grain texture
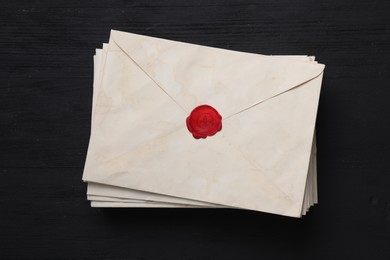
46,68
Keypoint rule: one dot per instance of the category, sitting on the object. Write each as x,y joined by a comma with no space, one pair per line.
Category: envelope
258,161
110,196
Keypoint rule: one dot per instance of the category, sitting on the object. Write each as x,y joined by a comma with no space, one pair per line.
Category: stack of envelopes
143,154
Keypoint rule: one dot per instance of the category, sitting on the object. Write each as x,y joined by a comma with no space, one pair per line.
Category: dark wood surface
46,68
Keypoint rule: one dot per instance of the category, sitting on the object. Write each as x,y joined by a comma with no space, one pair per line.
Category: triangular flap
224,178
277,136
230,81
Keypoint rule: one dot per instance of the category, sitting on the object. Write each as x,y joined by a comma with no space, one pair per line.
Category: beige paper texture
262,153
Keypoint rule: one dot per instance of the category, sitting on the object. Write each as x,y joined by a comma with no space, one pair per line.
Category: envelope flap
230,81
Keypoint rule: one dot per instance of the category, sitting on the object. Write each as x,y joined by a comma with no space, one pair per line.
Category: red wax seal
204,121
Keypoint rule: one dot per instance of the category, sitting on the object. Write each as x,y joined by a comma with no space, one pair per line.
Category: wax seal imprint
204,121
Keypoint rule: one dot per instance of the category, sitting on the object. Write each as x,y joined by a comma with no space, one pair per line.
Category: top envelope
258,161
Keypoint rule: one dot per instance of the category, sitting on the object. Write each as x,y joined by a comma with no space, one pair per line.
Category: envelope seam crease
155,82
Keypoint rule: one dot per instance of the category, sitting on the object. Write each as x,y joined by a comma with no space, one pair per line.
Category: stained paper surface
141,153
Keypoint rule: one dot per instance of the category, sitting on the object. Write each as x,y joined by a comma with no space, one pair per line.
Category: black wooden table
46,68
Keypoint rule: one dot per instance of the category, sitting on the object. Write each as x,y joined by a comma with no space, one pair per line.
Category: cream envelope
111,195
258,161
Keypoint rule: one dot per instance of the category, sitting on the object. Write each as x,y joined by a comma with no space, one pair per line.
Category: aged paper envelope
258,161
111,194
